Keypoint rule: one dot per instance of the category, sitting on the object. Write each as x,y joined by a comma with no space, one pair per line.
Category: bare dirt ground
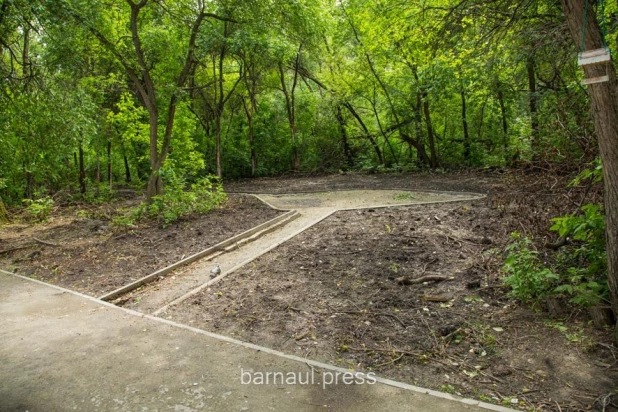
91,257
334,294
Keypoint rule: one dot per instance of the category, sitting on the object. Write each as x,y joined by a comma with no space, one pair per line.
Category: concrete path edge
264,227
235,268
273,352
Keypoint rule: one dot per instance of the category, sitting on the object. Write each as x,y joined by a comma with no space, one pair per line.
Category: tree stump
602,316
555,305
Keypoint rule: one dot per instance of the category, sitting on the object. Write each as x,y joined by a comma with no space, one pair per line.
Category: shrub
527,276
584,265
579,270
99,193
176,202
39,209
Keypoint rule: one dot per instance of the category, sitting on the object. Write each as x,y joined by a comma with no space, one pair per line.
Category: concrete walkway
62,351
313,208
155,298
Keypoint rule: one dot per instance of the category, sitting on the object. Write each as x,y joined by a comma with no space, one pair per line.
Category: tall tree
140,68
289,93
604,107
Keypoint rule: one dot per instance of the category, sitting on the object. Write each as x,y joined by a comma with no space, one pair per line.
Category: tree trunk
534,118
482,123
127,170
26,54
290,106
109,162
384,135
155,185
430,133
418,128
4,214
97,172
604,104
82,171
4,11
249,112
219,105
251,76
254,161
368,135
466,140
505,131
347,152
218,145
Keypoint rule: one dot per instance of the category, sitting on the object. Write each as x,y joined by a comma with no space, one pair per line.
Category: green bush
99,193
39,209
527,276
579,270
176,202
584,265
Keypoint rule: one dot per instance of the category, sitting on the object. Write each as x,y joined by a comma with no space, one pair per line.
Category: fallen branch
45,243
389,362
562,241
2,252
429,278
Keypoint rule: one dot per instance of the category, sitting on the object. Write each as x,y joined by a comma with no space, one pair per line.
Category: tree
289,92
141,71
255,58
604,108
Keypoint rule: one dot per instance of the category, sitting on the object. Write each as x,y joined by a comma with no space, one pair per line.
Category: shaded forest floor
332,293
88,255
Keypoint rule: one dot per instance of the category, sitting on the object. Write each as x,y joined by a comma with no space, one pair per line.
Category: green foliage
404,196
77,91
126,218
39,209
176,202
574,336
526,274
584,265
98,193
593,174
579,270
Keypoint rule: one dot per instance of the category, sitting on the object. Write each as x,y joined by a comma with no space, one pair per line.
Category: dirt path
313,207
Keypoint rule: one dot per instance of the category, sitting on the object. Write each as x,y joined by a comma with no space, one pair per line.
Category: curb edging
219,247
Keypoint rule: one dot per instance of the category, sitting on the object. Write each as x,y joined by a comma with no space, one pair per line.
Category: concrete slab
63,351
362,199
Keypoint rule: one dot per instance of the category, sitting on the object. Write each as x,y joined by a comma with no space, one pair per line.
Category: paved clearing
526,336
